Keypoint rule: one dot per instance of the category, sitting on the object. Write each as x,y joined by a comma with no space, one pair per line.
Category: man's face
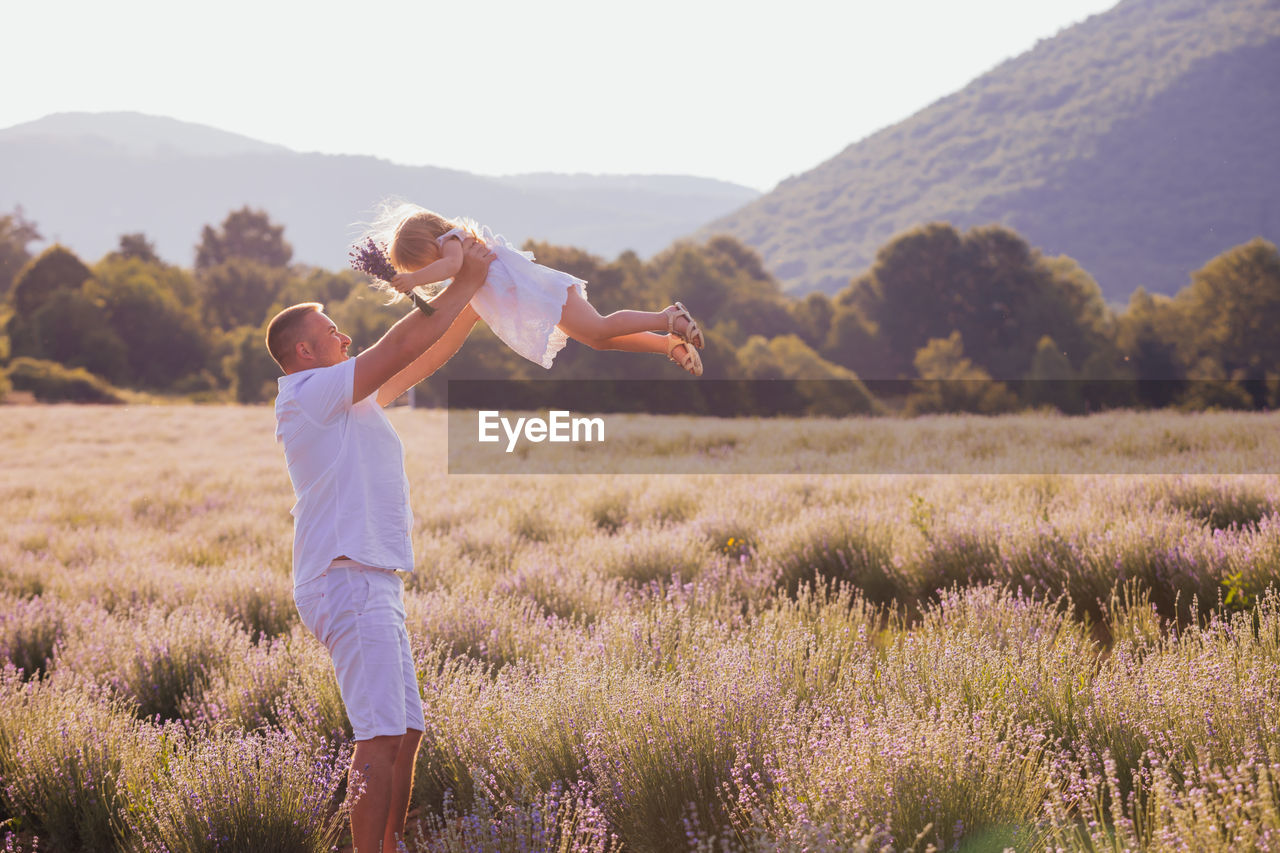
323,342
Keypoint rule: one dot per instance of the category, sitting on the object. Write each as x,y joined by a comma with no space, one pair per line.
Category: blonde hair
415,242
412,233
409,233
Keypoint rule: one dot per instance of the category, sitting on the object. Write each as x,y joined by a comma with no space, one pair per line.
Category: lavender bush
230,790
69,755
564,820
30,629
712,663
155,660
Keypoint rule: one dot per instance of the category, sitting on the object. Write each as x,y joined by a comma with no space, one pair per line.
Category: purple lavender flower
371,259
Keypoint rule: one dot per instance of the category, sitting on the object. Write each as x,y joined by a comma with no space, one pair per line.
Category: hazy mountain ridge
138,133
1141,142
87,178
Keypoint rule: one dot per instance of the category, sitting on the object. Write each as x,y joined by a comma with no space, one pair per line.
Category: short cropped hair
283,331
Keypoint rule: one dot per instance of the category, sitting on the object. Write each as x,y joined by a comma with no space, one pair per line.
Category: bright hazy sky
745,91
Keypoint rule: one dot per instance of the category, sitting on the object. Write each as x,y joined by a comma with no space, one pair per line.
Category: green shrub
52,383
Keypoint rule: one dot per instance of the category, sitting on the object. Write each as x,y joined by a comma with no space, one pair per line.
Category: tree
953,383
55,271
240,292
910,296
813,316
317,285
72,330
624,283
708,278
737,261
56,268
16,232
572,260
249,367
163,337
813,385
1051,381
136,246
1147,335
1073,311
1231,313
854,342
759,361
1211,388
754,315
246,234
364,317
989,285
686,272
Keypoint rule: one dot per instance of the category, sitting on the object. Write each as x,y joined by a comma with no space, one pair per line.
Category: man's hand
476,257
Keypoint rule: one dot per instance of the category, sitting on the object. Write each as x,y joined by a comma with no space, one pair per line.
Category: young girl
532,308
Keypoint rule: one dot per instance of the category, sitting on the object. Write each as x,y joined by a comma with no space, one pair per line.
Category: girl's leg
628,330
639,342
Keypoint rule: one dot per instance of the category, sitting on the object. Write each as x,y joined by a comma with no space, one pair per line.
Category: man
352,523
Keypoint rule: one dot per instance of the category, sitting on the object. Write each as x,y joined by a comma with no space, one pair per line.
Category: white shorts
357,612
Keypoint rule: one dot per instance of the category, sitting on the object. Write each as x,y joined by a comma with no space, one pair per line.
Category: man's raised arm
416,332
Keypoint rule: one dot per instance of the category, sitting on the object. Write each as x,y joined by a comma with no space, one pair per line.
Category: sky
742,91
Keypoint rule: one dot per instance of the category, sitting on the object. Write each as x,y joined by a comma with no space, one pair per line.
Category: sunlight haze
745,92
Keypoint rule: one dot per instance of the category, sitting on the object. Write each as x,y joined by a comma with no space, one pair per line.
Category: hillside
1141,142
87,178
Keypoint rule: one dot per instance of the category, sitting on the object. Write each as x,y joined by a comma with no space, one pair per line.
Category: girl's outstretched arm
445,267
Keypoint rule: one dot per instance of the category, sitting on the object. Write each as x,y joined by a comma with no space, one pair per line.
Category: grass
710,662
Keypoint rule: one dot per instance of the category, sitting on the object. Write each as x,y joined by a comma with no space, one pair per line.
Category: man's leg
401,788
373,767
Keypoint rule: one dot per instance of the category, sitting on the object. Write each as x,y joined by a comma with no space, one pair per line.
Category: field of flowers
648,662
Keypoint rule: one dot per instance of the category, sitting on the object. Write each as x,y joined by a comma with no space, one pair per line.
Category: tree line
977,321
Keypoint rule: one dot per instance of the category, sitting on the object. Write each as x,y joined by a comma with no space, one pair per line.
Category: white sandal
691,362
692,333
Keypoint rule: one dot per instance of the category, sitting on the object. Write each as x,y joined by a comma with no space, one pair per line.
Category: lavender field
648,662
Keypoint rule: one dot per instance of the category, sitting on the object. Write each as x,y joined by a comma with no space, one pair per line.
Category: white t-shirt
347,467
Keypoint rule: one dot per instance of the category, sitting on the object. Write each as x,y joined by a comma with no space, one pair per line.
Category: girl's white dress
521,300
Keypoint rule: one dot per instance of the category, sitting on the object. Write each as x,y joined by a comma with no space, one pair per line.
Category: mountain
138,134
1142,142
87,178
